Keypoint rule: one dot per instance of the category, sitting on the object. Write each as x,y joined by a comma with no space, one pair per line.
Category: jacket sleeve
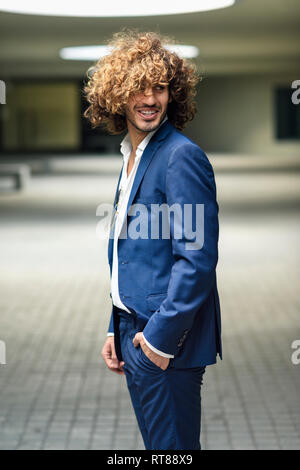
189,181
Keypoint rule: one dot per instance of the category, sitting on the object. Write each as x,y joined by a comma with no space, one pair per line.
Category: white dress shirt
125,188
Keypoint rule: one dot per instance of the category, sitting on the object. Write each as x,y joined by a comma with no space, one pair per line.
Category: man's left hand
158,360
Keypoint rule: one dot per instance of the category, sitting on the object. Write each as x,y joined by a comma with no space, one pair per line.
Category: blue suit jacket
172,290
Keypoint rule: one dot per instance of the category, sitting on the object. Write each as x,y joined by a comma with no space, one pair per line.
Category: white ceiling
254,36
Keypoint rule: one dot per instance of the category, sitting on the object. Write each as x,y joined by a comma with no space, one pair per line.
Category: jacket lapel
146,158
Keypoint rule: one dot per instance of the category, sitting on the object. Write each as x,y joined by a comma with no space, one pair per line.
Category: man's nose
148,93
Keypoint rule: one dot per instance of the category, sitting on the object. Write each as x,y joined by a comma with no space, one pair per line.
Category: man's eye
160,87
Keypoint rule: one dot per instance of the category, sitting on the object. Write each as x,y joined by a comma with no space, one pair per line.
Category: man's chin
145,126
148,126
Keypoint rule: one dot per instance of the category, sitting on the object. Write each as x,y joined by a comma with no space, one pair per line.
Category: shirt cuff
170,356
110,334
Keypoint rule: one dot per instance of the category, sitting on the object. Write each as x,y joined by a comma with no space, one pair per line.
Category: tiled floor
56,392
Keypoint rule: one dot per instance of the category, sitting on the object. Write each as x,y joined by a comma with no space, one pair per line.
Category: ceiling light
84,52
117,8
92,53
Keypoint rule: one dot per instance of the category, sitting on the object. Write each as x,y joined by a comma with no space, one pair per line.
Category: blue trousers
167,403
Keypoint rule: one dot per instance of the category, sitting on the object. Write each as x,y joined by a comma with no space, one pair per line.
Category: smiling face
146,110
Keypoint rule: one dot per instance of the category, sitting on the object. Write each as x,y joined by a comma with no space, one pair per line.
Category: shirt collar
126,146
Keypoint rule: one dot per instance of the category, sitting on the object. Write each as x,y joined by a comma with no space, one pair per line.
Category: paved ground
55,391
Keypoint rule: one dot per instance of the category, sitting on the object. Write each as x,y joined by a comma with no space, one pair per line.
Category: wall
237,114
42,116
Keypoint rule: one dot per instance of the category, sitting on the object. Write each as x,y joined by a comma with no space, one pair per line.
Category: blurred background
55,391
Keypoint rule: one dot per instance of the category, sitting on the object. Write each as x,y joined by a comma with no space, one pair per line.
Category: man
165,323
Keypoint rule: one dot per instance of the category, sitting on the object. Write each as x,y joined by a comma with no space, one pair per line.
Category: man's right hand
110,358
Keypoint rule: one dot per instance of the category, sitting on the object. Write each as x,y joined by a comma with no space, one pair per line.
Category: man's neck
136,137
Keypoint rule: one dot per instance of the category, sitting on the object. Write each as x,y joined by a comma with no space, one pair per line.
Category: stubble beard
133,122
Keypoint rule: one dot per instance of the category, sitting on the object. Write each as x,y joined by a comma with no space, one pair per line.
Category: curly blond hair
137,60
